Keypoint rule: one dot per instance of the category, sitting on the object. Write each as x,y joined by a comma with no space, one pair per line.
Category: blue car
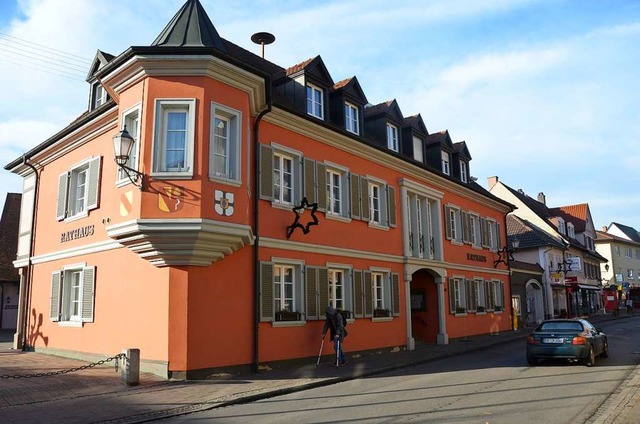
572,339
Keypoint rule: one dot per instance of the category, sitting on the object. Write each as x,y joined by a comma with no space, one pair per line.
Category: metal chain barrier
80,368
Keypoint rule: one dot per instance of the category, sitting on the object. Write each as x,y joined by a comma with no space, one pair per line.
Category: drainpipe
27,290
256,233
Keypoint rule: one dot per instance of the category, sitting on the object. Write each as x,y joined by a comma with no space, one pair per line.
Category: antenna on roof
263,38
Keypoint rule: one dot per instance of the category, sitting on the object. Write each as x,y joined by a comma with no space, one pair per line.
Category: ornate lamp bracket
299,211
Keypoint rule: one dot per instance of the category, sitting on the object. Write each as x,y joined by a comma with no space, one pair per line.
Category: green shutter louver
88,293
355,196
93,187
395,290
61,206
358,294
266,291
321,178
465,228
312,292
452,297
56,284
364,196
392,210
368,294
310,180
498,236
447,222
266,172
323,288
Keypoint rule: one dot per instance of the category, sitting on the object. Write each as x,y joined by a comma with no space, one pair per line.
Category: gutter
27,292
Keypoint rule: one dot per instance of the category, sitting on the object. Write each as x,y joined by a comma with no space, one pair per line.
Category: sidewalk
96,394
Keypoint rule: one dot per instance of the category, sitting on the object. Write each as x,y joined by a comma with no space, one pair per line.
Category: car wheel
531,360
591,358
605,350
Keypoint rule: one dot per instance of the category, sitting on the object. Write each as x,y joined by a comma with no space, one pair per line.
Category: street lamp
505,255
122,146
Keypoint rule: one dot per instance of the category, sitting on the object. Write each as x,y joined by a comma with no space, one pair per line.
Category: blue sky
544,92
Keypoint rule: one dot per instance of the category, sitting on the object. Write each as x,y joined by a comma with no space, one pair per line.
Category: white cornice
332,138
86,249
168,242
141,66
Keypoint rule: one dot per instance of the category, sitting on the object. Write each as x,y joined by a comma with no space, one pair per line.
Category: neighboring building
9,278
620,245
267,193
575,287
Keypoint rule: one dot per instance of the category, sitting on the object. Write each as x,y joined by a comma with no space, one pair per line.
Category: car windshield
560,326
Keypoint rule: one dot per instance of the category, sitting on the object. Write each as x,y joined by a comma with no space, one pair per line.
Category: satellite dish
263,38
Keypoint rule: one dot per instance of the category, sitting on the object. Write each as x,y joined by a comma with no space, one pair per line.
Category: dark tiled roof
538,208
528,234
341,84
9,224
416,122
299,67
437,138
628,231
190,27
526,266
461,148
380,108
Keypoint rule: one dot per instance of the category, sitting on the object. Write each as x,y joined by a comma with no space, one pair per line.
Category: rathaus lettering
77,233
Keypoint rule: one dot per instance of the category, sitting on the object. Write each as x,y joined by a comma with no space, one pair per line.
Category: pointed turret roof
190,27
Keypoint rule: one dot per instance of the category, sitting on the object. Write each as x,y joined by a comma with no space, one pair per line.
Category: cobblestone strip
623,398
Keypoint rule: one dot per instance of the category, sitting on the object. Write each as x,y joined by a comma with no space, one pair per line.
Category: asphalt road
492,386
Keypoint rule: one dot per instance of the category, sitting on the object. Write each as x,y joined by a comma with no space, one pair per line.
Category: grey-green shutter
395,289
310,180
312,292
88,293
56,284
93,188
323,288
355,196
498,236
447,222
266,172
484,229
358,294
368,294
452,297
471,296
266,291
502,296
391,206
61,208
364,196
321,178
465,227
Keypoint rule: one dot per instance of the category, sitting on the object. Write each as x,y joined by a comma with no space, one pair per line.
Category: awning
587,287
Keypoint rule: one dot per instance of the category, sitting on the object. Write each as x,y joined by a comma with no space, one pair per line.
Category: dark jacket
334,322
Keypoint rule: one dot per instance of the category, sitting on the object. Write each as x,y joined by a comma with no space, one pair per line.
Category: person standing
335,323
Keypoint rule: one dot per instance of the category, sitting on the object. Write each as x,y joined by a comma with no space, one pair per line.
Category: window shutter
266,291
465,228
452,297
88,293
447,222
56,283
395,290
364,196
93,188
355,196
484,229
310,180
472,304
266,172
312,292
502,297
357,294
391,203
323,288
61,208
498,236
321,177
368,294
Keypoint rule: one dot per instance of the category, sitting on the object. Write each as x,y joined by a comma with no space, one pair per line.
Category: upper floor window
281,175
446,164
617,250
351,118
457,295
392,137
628,253
571,231
100,96
72,294
561,227
335,188
417,149
224,151
471,229
283,178
453,225
315,101
463,171
375,208
490,233
78,189
131,120
174,138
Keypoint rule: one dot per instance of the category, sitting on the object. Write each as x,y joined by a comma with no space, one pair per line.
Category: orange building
253,197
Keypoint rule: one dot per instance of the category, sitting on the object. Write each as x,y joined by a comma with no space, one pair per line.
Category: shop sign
575,263
477,258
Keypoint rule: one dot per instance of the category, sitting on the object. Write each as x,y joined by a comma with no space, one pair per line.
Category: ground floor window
72,294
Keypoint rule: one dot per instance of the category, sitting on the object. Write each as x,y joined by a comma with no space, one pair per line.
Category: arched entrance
534,306
424,306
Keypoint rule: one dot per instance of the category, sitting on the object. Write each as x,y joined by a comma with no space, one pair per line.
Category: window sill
77,217
376,226
337,217
70,323
460,314
284,206
186,175
475,246
226,181
288,323
382,319
456,242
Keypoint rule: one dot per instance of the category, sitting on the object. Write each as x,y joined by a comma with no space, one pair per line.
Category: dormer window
417,149
100,96
446,163
571,230
561,227
392,137
463,171
315,101
351,120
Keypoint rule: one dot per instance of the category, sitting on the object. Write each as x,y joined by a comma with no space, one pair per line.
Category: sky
544,92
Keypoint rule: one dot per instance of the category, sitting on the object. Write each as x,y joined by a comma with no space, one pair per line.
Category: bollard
130,367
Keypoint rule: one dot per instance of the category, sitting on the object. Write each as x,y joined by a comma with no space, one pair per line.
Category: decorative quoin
298,211
223,203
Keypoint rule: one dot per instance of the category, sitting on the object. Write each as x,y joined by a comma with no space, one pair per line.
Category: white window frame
381,289
460,294
571,231
454,221
279,188
232,144
561,226
479,287
340,174
463,171
493,234
446,163
392,137
628,253
381,186
162,108
100,95
418,152
315,101
475,234
131,120
68,207
70,292
498,301
351,118
297,284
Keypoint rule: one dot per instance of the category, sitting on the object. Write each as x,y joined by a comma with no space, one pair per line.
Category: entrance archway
534,305
424,306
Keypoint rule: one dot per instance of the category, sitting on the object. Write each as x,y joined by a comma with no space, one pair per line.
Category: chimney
542,199
604,228
492,181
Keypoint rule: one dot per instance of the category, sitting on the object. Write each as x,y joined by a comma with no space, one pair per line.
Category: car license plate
560,340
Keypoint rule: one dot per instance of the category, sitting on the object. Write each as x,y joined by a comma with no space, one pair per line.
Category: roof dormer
461,160
439,151
383,123
414,136
347,102
98,94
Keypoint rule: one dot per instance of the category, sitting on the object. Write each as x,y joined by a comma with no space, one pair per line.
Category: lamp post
122,146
